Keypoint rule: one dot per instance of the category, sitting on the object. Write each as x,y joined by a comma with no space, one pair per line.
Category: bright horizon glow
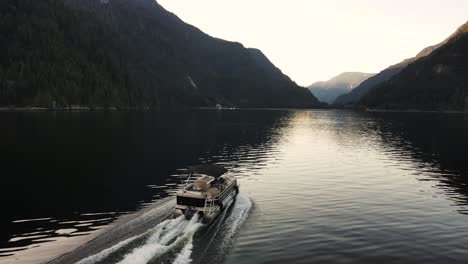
311,40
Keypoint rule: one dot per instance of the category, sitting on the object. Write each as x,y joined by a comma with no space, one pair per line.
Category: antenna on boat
188,178
184,172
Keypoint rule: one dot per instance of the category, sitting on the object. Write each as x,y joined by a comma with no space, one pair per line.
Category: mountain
121,53
365,87
328,91
438,81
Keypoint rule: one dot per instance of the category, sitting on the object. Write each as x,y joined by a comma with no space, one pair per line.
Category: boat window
196,202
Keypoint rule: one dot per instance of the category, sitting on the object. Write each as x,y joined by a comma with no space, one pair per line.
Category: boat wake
177,241
167,235
105,253
216,242
159,240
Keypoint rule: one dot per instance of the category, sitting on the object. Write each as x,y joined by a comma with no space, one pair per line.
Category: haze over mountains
121,53
328,91
355,95
435,79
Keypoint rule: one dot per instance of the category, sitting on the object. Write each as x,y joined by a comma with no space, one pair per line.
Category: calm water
317,186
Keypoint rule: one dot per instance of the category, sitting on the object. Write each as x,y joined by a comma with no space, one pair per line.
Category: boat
207,191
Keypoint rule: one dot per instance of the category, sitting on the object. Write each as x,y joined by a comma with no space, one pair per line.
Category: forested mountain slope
128,54
436,82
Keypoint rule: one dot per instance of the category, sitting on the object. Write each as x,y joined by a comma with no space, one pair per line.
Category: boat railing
210,202
209,205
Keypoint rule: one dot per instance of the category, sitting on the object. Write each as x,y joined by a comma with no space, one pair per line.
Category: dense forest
120,53
49,54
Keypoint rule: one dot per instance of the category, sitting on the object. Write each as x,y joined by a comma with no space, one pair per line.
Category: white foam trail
234,222
105,253
236,219
157,245
174,231
156,236
244,204
144,254
175,222
184,256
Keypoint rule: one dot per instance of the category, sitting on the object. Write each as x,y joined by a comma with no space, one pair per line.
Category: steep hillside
438,81
129,54
49,54
328,91
355,95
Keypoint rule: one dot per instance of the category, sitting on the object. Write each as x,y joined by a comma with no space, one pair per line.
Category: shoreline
417,111
43,109
115,109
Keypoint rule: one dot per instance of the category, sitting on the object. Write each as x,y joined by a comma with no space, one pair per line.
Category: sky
314,40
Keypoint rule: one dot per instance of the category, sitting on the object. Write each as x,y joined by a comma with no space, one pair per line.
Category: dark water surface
317,186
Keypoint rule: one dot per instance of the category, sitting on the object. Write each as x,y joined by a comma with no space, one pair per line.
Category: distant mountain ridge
328,91
121,53
438,81
359,92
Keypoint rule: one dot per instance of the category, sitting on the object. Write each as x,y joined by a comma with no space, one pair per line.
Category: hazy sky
312,40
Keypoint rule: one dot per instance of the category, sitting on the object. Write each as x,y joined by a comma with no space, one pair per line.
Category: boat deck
218,186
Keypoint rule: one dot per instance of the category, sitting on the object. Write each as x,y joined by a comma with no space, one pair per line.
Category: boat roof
208,169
